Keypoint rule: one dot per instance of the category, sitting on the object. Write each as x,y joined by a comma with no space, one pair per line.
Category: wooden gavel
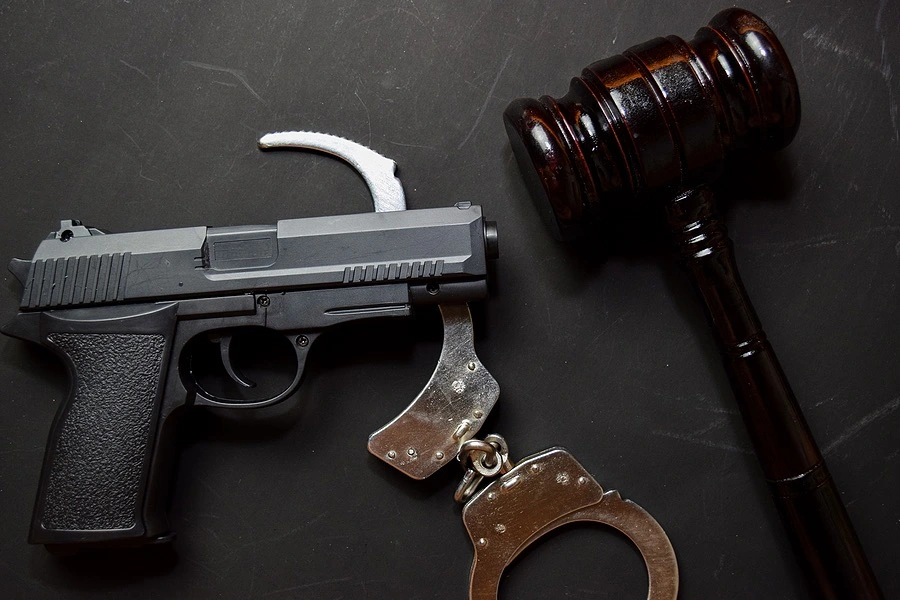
654,124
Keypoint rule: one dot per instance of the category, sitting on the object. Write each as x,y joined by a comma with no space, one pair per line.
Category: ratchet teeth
274,139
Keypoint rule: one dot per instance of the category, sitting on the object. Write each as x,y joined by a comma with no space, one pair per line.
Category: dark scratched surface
144,115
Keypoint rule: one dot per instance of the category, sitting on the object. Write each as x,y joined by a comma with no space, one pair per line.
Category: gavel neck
779,432
703,247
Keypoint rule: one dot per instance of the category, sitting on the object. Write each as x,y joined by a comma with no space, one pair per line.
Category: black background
144,115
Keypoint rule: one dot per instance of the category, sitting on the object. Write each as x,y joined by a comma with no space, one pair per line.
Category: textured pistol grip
95,473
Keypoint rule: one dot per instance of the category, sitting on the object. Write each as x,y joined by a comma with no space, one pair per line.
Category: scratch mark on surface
715,424
307,586
410,145
41,67
412,14
286,534
225,83
867,420
128,135
203,566
486,101
616,27
230,167
887,75
205,484
418,12
718,410
820,241
368,117
474,25
370,19
721,565
823,41
606,329
169,133
542,21
700,442
239,75
207,515
825,401
134,68
142,176
396,10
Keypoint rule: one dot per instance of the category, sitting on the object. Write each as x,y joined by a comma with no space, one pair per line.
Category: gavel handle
826,545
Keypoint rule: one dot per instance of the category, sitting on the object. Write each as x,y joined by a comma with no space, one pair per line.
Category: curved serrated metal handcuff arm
377,170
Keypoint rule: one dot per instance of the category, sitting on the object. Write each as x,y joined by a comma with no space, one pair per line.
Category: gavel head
656,119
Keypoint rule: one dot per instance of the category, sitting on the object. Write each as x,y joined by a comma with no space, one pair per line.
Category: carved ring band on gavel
655,124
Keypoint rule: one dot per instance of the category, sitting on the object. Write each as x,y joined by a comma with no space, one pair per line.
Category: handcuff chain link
481,458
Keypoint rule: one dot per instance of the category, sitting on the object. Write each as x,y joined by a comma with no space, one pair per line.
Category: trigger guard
204,398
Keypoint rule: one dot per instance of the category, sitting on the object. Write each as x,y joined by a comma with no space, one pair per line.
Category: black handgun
135,317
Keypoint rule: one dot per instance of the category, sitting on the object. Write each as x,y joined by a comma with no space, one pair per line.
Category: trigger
225,349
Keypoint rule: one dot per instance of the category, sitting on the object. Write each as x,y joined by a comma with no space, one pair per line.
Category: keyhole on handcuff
578,560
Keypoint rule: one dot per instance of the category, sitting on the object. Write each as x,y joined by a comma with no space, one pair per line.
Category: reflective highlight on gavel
655,124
